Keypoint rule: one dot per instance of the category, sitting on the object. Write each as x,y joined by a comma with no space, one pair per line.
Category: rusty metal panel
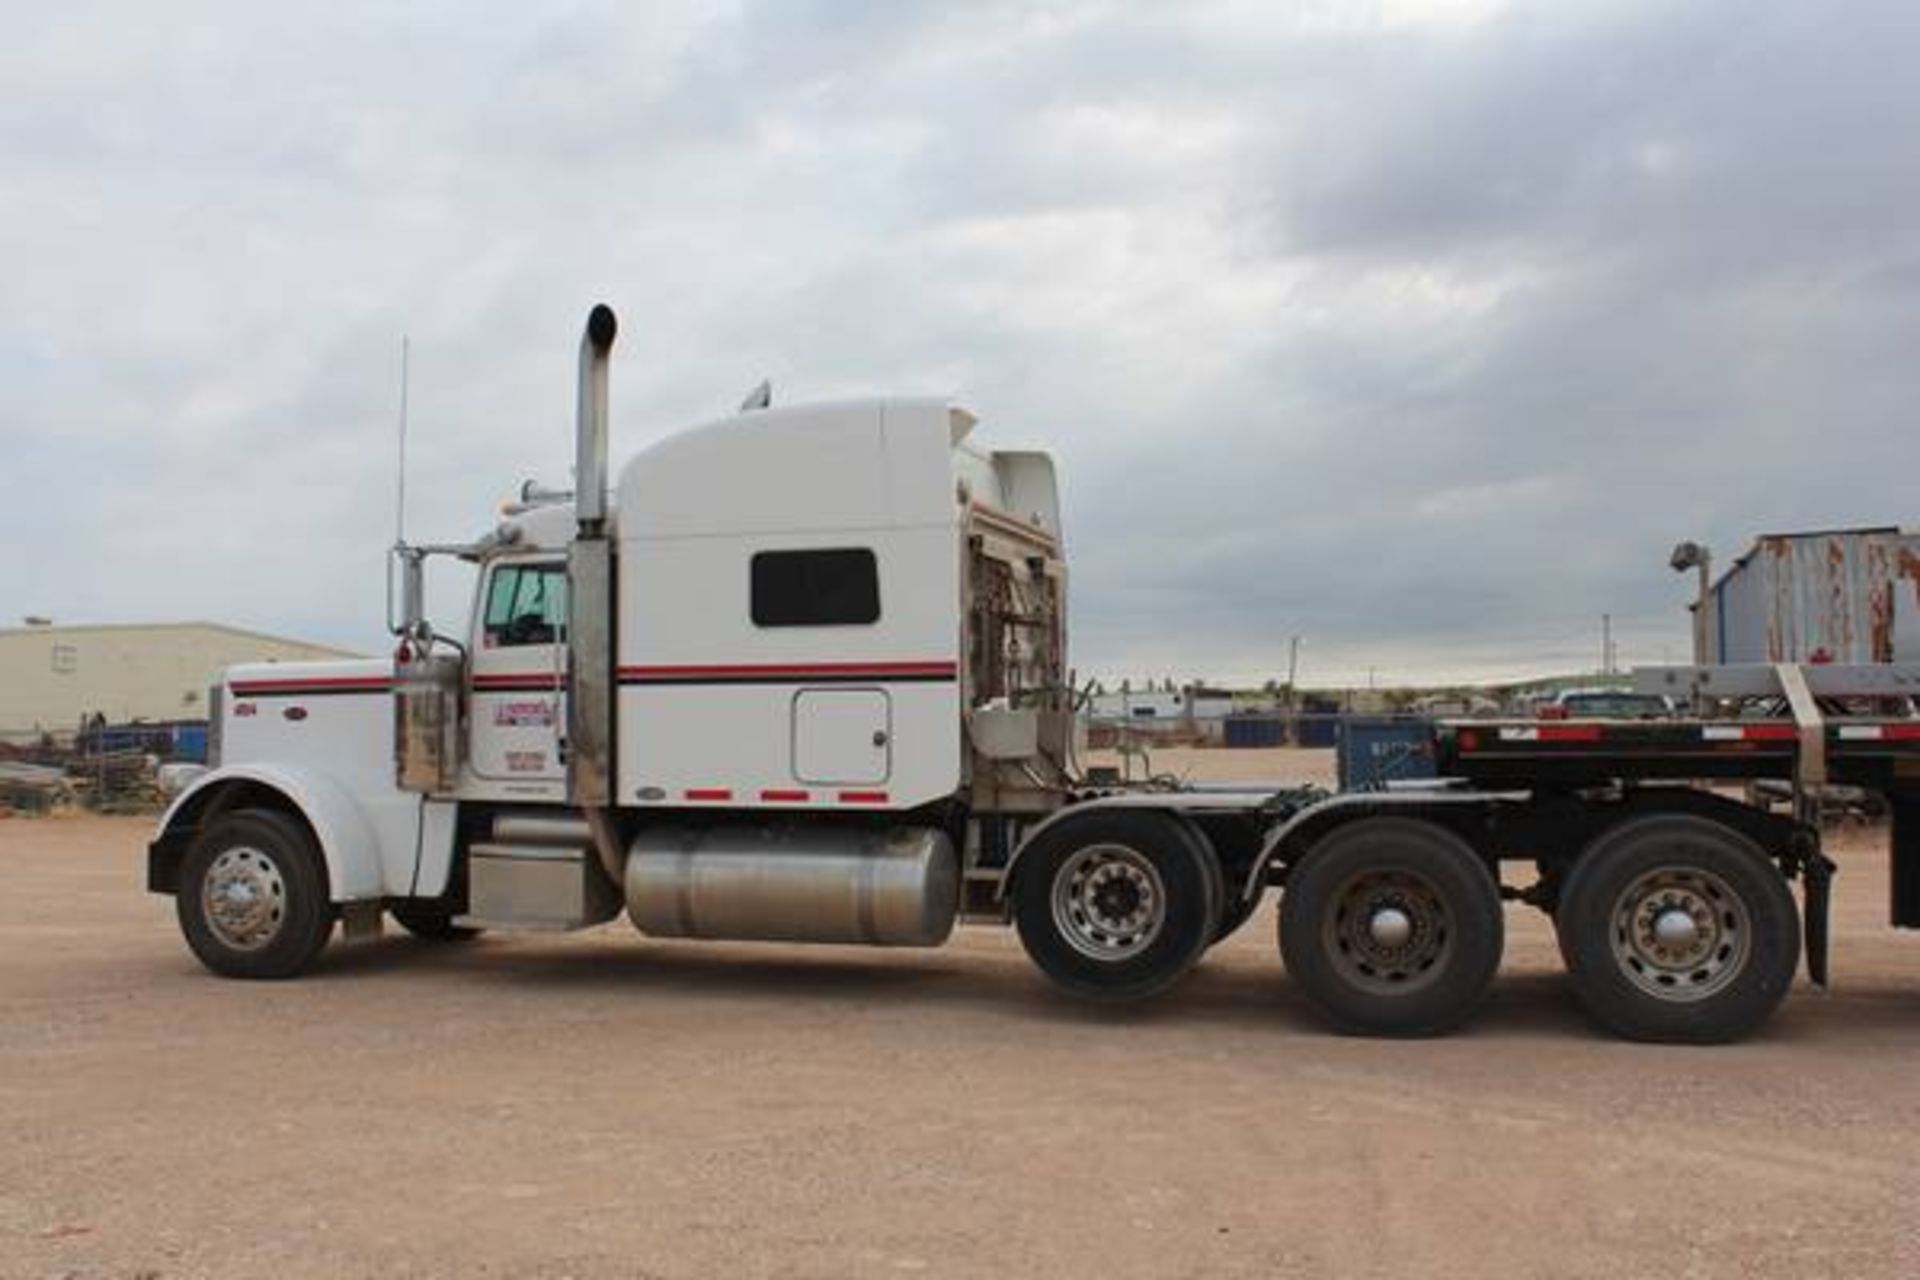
1906,598
1740,604
1850,596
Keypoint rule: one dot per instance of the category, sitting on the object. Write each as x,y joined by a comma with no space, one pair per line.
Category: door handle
879,737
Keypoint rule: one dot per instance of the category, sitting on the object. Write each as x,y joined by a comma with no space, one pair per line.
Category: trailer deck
1879,753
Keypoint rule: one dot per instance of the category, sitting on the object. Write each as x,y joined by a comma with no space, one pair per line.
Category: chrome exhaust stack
589,747
590,435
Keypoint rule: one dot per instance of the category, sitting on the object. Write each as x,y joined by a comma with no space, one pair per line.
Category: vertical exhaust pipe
590,436
590,624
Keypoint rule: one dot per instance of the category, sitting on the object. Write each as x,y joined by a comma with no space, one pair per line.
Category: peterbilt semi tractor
800,675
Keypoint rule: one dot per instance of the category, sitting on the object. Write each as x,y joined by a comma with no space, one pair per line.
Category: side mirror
412,622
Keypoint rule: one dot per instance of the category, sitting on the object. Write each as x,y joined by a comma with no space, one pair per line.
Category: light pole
1694,555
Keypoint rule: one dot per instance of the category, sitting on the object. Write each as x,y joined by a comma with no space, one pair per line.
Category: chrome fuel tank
890,888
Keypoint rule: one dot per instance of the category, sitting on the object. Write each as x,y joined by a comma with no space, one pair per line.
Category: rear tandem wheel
1392,927
1678,929
1117,904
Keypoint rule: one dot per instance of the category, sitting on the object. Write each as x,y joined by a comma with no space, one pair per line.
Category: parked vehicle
1604,704
801,674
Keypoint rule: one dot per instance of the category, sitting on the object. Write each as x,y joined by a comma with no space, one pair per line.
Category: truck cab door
517,705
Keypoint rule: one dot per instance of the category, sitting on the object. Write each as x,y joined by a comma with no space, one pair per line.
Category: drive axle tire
252,900
432,924
1392,927
1678,929
1116,905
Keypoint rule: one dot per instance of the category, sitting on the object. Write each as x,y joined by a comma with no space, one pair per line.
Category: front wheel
1392,927
1118,904
1678,929
252,900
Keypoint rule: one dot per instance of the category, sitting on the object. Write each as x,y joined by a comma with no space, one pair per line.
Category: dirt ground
603,1105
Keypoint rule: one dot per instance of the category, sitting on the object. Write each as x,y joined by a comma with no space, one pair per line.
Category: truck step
517,926
538,888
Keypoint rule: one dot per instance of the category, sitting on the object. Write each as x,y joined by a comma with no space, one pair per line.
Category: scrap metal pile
44,778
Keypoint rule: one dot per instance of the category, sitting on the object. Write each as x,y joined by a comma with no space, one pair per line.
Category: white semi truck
801,675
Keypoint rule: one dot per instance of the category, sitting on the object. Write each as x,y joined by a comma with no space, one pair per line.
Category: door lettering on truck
538,715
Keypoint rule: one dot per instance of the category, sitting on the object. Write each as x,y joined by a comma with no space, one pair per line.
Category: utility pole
1293,689
1606,644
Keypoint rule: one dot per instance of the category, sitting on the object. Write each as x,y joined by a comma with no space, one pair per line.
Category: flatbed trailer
1669,884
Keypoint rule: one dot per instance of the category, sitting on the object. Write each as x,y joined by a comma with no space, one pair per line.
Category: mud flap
1817,898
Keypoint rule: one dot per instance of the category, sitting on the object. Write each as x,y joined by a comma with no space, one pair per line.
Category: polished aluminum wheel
1680,934
1388,931
1108,902
245,899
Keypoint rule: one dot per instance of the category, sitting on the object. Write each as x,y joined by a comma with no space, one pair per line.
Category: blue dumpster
1318,723
190,741
1255,731
1376,750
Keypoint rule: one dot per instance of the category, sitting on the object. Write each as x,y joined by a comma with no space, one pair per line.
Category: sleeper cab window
826,587
526,604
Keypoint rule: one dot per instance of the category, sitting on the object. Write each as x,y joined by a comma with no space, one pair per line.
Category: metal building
1842,595
52,676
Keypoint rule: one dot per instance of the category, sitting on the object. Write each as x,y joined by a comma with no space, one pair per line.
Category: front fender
340,825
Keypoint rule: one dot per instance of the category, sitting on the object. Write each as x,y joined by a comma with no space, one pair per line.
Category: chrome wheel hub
1680,934
244,898
1390,927
1388,931
1108,902
1676,929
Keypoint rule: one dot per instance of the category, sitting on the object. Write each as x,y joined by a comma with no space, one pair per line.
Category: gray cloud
1422,330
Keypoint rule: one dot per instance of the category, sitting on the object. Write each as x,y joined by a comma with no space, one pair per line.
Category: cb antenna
400,470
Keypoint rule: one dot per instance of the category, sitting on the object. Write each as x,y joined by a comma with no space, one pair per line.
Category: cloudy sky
1421,330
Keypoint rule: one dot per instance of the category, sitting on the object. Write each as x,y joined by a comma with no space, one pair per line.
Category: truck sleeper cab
800,674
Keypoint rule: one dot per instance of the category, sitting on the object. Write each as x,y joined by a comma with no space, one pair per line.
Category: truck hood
355,674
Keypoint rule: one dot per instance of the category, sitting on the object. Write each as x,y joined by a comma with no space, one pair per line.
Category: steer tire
1436,883
1740,943
1149,870
253,900
432,924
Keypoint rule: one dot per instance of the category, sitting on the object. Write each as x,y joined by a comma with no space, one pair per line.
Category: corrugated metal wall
1849,596
51,676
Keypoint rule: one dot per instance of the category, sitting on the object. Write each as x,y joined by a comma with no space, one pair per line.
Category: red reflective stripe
798,669
708,793
863,797
1570,733
1900,732
306,684
1769,732
782,796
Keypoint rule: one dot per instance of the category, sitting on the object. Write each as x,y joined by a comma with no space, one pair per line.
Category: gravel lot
603,1105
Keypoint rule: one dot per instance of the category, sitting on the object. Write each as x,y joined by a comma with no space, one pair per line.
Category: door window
526,604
